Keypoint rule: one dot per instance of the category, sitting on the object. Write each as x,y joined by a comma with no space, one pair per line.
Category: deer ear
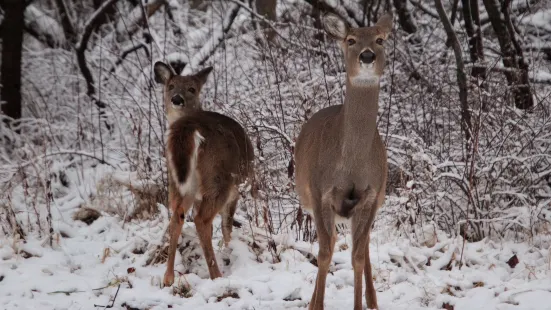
163,72
385,23
335,26
203,75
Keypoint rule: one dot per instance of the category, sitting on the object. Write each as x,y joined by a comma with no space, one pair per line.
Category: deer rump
206,152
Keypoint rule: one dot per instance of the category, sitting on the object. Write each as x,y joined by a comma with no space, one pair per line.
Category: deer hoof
169,279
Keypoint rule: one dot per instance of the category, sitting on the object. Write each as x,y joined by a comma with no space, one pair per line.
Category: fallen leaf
447,306
513,261
131,270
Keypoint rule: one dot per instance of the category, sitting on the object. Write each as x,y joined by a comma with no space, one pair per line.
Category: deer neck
359,120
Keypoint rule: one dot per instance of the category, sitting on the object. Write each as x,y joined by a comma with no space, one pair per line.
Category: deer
341,160
208,156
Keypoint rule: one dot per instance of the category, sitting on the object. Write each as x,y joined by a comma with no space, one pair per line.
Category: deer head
180,93
362,47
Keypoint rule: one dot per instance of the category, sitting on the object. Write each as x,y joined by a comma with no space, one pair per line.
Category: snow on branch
216,39
43,27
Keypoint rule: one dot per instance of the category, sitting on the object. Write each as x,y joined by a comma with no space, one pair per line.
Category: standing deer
341,163
208,156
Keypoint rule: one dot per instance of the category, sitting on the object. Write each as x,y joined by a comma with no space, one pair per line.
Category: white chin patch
366,76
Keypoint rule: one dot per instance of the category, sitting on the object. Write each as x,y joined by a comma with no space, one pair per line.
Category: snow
86,267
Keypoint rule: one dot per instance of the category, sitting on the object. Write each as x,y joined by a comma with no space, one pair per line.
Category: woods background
465,109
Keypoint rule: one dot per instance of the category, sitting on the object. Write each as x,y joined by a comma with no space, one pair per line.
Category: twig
127,52
112,301
65,292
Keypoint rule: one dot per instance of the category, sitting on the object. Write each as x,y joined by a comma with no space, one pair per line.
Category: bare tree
12,43
404,16
513,59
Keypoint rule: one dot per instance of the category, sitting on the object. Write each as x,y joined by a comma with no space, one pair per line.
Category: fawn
341,161
208,156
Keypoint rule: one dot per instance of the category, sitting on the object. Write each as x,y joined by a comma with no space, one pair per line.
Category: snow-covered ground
85,268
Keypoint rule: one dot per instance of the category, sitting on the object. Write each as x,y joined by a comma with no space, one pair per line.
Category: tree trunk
267,8
466,125
12,42
513,59
477,39
474,38
108,16
404,16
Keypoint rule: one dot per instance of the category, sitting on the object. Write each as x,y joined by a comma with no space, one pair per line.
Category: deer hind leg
325,228
227,218
203,223
361,228
179,206
370,293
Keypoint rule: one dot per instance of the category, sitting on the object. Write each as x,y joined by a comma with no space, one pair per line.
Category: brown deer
341,163
208,156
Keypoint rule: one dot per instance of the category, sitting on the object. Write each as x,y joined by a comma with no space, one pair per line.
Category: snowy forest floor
86,267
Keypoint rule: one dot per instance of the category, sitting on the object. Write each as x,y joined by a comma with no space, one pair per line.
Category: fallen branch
112,301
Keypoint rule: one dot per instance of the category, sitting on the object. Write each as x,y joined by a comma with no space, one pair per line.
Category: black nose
367,57
177,100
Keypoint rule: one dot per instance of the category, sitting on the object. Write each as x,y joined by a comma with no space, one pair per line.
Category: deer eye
170,87
191,90
379,41
351,42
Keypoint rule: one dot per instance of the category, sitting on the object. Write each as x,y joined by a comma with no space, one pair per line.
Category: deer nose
177,100
367,57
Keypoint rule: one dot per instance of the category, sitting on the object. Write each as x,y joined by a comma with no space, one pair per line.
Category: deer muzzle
178,100
367,57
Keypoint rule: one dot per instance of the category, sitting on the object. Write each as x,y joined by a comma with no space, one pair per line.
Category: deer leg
179,206
227,220
358,263
370,294
203,223
325,228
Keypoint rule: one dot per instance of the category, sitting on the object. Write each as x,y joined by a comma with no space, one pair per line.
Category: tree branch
216,39
66,22
81,49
